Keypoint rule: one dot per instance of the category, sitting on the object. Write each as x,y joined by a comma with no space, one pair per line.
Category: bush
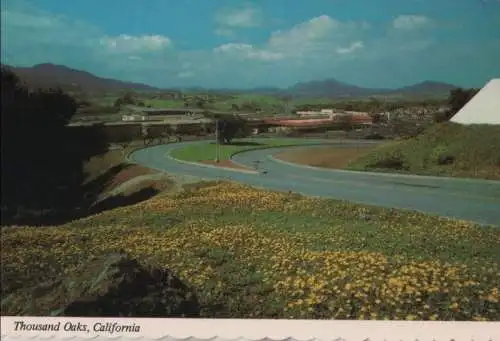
440,117
391,162
374,136
445,160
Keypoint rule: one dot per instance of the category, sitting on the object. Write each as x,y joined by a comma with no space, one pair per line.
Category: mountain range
51,75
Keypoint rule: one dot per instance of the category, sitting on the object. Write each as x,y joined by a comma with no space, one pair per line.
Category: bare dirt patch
225,164
326,157
113,169
128,173
157,186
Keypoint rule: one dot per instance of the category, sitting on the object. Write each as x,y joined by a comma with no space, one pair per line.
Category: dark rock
112,285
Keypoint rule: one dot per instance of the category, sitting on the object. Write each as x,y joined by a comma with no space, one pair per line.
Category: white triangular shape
483,108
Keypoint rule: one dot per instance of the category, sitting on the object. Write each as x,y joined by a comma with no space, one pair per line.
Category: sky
261,43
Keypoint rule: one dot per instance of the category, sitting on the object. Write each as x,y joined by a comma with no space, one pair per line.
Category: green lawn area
250,253
207,151
108,100
267,104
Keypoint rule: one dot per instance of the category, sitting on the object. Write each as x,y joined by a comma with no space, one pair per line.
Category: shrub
445,160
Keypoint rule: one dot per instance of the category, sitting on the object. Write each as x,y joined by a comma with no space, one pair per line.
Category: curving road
467,199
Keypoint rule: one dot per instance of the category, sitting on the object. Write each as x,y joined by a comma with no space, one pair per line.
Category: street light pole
217,140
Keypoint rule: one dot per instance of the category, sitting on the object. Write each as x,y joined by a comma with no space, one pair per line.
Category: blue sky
241,44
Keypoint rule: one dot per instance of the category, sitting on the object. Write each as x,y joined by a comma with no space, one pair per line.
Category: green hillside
446,149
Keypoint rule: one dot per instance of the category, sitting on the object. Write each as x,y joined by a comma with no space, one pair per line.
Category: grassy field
207,151
164,103
475,149
107,100
251,253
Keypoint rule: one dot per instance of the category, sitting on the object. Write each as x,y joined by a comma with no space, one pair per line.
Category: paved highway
467,199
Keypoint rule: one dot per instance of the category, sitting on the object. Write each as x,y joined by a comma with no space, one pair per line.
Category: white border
174,329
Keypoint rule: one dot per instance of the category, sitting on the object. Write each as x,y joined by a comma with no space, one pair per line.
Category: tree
458,98
229,128
346,122
42,159
200,103
377,118
127,99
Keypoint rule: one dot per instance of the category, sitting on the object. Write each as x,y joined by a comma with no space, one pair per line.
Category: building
159,114
357,113
321,113
133,117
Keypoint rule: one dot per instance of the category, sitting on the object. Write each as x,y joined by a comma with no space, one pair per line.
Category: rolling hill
51,75
331,87
334,88
427,87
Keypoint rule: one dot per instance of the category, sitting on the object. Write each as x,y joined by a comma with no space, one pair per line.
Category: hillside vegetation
446,149
250,253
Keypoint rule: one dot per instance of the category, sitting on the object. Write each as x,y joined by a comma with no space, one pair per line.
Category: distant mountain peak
44,65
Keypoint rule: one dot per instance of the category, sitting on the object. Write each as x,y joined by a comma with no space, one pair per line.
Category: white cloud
351,48
410,22
247,51
239,18
314,38
319,35
126,43
315,29
27,20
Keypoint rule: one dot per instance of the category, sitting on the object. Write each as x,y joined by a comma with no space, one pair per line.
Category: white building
128,118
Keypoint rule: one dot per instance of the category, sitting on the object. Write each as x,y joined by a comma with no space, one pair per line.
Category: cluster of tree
459,97
42,161
229,127
171,95
249,106
129,98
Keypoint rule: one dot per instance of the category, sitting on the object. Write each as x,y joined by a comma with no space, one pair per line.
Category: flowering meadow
250,253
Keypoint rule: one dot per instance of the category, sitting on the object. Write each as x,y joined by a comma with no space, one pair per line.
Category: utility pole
217,140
